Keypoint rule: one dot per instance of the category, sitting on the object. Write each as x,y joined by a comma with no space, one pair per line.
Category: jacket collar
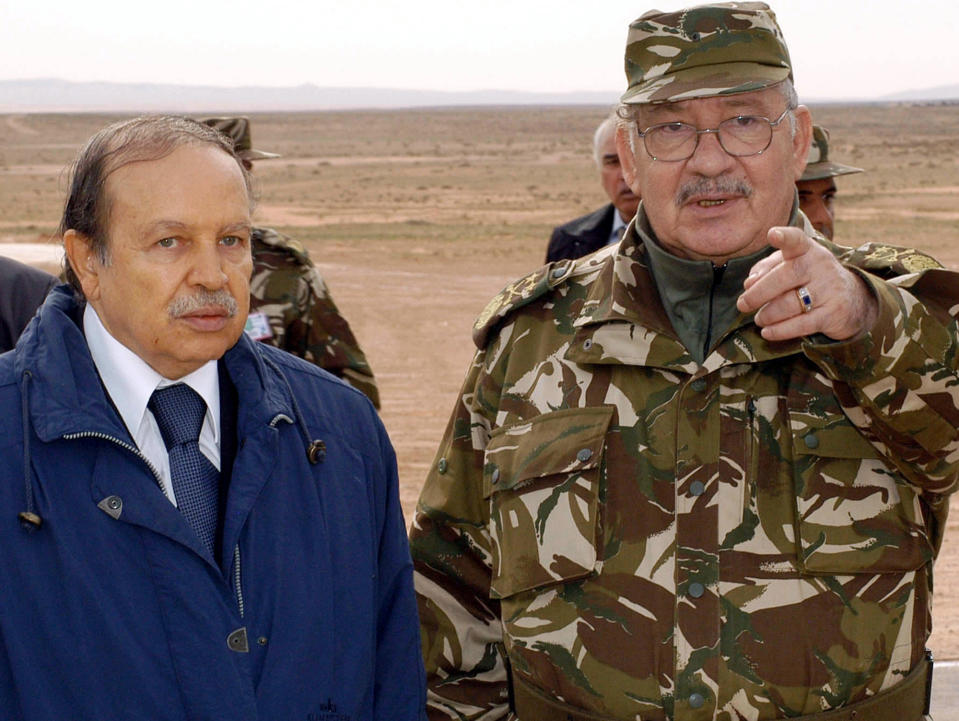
67,397
623,320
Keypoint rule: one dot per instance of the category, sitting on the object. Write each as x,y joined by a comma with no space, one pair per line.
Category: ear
84,262
801,139
627,160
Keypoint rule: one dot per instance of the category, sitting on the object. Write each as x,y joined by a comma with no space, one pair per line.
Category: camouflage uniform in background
817,185
819,165
290,305
291,308
644,537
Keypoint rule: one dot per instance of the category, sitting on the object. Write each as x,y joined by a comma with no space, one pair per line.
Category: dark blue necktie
179,413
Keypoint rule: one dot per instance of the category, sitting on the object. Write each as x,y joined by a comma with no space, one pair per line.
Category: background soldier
817,189
290,304
663,497
592,231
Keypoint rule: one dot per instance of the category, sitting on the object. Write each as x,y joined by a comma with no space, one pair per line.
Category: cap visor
819,171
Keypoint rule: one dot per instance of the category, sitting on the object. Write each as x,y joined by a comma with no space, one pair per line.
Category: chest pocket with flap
855,512
542,479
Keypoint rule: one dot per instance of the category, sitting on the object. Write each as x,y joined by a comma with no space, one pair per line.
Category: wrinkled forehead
139,166
193,181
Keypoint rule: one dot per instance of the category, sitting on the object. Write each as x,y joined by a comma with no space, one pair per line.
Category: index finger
791,241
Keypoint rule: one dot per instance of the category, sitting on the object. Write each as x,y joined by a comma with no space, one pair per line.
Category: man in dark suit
604,226
24,289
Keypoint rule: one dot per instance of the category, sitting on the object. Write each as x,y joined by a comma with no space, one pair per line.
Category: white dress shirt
130,382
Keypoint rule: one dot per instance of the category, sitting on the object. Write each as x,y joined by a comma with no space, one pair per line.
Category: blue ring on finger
805,300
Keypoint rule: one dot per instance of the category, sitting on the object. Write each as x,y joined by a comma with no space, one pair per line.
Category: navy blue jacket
112,609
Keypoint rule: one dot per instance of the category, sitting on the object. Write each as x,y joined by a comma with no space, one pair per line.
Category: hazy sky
840,48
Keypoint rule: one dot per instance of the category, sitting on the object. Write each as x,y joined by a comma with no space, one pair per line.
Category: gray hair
87,208
603,131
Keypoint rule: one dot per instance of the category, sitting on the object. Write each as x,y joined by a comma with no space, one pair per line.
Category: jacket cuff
860,360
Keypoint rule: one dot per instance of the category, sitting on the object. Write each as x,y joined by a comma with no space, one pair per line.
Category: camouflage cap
238,130
818,164
704,51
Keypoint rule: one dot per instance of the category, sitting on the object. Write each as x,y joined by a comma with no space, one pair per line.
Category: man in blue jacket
194,526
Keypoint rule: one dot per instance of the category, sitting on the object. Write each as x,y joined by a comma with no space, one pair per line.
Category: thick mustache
712,186
204,299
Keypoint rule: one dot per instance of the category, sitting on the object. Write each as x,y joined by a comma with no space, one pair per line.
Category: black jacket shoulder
581,236
22,290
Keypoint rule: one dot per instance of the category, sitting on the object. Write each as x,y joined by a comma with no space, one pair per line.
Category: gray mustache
709,186
203,299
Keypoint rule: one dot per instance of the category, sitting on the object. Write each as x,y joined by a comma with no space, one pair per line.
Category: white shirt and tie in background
616,232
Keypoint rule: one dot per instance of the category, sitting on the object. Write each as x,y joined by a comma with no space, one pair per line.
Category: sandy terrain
417,218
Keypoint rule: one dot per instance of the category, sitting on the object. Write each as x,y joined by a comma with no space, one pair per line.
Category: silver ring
805,300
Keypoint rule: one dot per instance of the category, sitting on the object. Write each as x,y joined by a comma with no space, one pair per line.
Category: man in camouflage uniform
817,187
290,304
663,497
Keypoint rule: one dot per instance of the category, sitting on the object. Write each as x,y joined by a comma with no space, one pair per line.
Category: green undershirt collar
699,298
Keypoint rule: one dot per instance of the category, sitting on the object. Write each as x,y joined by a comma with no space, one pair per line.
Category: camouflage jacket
291,308
646,538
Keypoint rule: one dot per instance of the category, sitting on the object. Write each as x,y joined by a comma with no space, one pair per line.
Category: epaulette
889,261
517,294
284,243
535,285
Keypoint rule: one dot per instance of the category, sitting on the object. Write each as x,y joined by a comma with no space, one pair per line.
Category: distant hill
52,95
942,92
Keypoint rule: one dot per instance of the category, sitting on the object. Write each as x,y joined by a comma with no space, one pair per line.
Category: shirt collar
618,222
130,381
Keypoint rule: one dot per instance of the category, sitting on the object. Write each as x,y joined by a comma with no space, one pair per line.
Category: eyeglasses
741,137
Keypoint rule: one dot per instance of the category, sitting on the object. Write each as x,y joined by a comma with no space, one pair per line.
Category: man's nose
207,266
709,157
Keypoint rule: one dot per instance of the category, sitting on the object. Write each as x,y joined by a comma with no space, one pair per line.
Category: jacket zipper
237,567
237,589
133,449
718,272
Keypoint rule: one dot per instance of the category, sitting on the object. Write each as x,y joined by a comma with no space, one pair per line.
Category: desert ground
416,218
